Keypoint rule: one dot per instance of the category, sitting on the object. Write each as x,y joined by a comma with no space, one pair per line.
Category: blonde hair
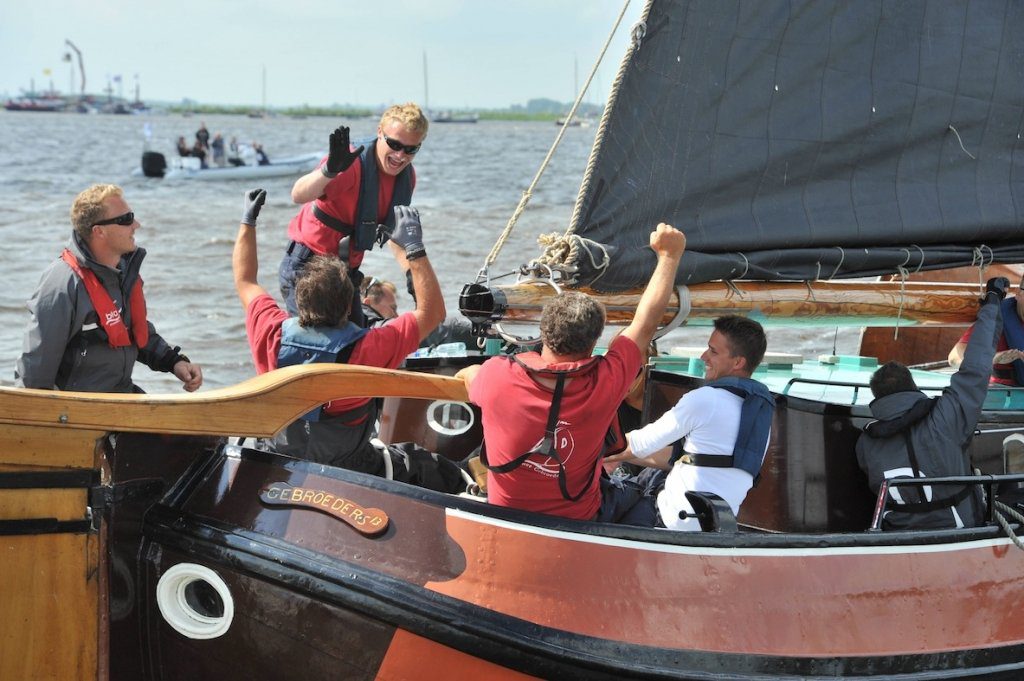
88,208
410,115
374,288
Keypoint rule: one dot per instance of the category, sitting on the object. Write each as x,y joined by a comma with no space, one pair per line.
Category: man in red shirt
1008,362
339,433
552,465
349,194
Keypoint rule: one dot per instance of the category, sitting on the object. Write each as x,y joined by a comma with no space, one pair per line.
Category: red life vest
109,316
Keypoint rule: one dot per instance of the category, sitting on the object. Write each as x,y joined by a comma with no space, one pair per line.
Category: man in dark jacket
89,324
915,436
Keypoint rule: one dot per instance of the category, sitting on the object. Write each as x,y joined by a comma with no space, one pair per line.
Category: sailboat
573,122
139,542
444,116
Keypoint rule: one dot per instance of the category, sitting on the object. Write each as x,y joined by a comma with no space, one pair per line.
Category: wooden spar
260,406
777,304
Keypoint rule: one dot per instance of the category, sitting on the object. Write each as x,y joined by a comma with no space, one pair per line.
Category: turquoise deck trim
817,380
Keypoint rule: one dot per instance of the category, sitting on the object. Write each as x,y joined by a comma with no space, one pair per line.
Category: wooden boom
259,407
822,303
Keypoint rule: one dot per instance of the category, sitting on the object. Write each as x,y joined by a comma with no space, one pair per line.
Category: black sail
808,139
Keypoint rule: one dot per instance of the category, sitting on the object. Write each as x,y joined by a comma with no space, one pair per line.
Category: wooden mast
777,304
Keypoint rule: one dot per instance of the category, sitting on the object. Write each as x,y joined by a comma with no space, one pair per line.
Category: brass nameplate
368,521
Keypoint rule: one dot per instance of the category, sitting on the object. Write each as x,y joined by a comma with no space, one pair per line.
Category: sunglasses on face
123,220
398,146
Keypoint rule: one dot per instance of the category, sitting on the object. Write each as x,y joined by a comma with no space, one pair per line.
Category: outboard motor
153,164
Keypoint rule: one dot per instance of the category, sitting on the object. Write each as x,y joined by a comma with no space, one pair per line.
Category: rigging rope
638,33
493,255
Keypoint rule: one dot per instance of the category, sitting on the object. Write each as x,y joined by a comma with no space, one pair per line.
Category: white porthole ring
179,613
442,413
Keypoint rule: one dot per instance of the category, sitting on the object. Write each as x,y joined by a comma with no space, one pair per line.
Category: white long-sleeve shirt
709,419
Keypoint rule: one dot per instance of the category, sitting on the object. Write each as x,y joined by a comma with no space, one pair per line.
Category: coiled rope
1000,511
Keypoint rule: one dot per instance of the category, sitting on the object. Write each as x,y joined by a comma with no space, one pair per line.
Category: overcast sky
480,53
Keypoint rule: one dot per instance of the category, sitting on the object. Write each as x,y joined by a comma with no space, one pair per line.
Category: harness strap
334,223
708,460
546,447
108,316
935,504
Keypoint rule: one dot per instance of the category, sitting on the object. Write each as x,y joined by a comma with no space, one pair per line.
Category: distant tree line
534,110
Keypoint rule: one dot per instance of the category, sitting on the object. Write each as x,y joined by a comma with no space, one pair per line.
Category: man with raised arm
545,415
352,191
919,437
89,325
338,433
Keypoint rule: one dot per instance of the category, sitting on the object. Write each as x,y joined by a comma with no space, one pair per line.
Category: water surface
470,179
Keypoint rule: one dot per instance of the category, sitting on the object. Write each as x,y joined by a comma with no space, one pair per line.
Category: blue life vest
752,436
1013,330
301,345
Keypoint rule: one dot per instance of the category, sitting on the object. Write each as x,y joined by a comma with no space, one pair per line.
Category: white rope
810,290
1000,511
978,258
904,274
685,305
962,143
734,288
920,263
842,259
507,232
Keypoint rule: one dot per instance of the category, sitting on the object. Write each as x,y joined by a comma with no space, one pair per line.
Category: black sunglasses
398,146
123,220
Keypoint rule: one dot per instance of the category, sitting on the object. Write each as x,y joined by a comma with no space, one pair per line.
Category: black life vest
363,235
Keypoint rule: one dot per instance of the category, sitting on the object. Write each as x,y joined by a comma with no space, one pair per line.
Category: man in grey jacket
89,325
915,436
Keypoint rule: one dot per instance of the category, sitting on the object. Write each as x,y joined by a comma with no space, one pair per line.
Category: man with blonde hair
353,190
89,324
380,301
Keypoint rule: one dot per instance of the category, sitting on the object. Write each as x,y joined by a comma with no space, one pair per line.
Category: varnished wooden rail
257,407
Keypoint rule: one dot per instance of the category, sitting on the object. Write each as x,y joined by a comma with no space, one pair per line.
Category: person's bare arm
310,186
244,258
669,243
468,374
956,355
658,459
407,234
430,311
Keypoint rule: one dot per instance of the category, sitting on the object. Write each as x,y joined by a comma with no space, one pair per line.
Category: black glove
995,290
406,231
340,156
252,202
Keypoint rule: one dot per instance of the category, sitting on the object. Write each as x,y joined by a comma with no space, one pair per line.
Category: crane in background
81,69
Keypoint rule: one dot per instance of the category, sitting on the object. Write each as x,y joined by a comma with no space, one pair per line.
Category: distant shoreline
536,110
354,112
